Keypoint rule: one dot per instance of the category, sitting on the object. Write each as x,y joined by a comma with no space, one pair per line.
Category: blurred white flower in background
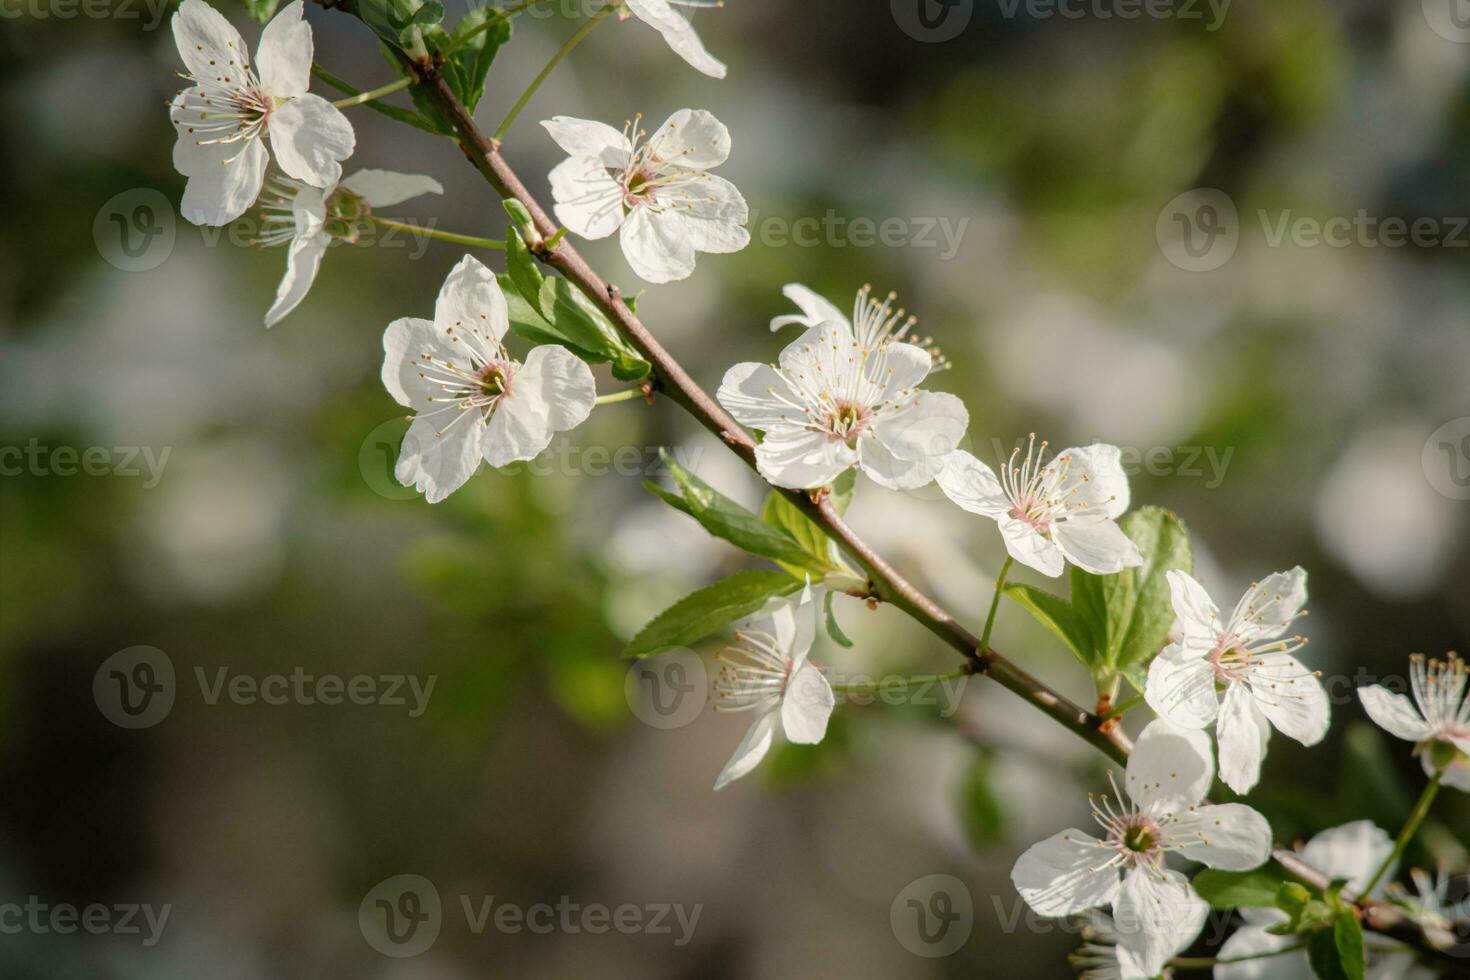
1378,515
661,16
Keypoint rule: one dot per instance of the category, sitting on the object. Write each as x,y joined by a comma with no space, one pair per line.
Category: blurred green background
1289,402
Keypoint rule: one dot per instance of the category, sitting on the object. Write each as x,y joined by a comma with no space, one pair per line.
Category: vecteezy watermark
96,919
1446,459
1210,12
247,231
1199,230
1450,19
378,454
1013,915
833,230
668,690
932,21
149,11
135,230
137,687
37,459
932,916
1205,463
403,916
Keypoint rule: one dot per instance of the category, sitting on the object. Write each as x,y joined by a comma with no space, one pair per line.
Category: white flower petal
746,391
437,465
751,750
1156,915
211,47
283,59
1241,732
1181,688
311,138
1102,465
973,486
219,192
1255,941
1096,546
901,366
588,200
814,309
302,262
404,343
713,214
1065,874
691,138
552,392
657,246
385,188
806,705
1290,697
1170,767
1276,600
590,138
679,35
929,426
471,300
1198,616
1030,547
888,470
1232,836
1394,713
802,460
1354,851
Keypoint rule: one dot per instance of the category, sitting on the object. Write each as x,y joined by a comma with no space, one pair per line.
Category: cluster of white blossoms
846,395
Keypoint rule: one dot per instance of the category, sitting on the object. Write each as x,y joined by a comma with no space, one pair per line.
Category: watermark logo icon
933,916
401,916
378,455
668,690
1446,459
1450,19
135,688
1198,230
932,21
135,230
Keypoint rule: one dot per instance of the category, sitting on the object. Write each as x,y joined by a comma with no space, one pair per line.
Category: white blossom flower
1440,724
1239,675
309,219
767,671
660,15
471,399
1353,851
1100,957
1050,513
845,395
1155,909
224,118
657,193
1444,922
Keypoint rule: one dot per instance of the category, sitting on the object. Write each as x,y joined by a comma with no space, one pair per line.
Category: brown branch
885,582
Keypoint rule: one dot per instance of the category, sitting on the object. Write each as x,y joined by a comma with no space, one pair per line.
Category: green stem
391,111
443,236
377,93
1416,817
618,396
556,59
494,17
899,684
1000,582
1208,962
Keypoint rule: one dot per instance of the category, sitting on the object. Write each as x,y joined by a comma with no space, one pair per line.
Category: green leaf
469,64
1255,889
983,811
833,630
1057,615
820,555
527,322
584,325
726,519
842,490
701,613
261,11
520,265
1347,935
1130,613
517,212
1322,954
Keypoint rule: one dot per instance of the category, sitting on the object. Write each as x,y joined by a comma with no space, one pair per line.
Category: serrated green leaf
833,630
711,608
1347,935
1130,613
1057,615
473,51
724,518
1240,889
520,265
